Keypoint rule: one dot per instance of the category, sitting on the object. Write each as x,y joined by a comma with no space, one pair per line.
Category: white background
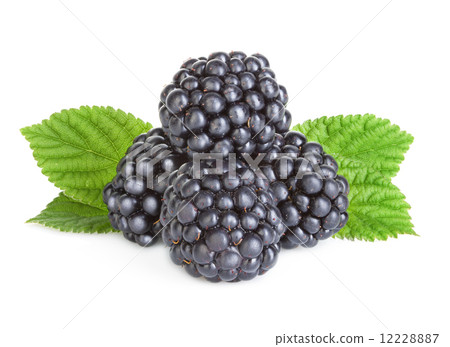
396,68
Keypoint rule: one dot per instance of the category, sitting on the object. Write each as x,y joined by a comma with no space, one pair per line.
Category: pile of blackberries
224,181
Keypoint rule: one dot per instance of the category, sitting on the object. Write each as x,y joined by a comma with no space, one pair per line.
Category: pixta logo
147,159
217,164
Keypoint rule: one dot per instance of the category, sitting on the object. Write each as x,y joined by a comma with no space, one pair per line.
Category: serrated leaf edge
55,116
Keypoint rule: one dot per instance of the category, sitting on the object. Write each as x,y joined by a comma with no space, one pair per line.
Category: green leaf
360,141
78,149
66,214
369,151
377,209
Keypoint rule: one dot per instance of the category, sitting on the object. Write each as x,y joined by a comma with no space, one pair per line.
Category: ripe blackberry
228,103
222,227
310,195
134,195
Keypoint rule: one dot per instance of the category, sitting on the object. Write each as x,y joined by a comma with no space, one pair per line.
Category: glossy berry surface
217,227
227,103
307,189
134,196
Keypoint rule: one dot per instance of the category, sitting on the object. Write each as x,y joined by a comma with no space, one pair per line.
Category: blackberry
228,103
310,195
221,227
133,203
